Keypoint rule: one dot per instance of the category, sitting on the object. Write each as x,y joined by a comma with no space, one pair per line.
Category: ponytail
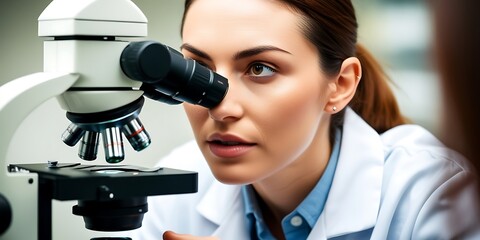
374,100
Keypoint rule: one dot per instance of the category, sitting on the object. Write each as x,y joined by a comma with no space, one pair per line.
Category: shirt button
296,221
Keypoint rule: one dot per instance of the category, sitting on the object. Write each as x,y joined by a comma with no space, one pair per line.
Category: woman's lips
228,146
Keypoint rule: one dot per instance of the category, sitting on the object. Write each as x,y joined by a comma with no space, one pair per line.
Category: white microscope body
97,61
67,64
85,40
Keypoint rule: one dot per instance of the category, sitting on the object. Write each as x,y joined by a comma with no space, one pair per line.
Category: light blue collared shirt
299,223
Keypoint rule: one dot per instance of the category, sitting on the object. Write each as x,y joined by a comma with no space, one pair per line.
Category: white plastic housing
98,63
92,18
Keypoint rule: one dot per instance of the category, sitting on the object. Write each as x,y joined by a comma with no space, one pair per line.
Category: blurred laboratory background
397,32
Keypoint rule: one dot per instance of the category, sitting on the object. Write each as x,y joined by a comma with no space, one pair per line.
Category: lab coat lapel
354,199
223,205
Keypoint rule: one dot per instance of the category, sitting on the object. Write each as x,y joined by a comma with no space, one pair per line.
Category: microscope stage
107,182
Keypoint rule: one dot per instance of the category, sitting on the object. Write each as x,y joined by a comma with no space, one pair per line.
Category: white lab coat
402,184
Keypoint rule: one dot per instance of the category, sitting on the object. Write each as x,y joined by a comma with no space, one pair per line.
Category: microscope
100,77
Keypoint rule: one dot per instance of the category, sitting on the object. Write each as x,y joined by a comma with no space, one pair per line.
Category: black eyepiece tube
164,69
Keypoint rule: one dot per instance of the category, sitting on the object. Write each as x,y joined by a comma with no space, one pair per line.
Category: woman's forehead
237,14
255,21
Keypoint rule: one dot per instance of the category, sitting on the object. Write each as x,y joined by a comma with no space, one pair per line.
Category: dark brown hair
332,27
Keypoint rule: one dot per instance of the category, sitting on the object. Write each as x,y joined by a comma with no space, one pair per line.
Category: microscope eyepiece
164,71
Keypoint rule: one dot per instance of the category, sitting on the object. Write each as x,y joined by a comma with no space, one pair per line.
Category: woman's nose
230,108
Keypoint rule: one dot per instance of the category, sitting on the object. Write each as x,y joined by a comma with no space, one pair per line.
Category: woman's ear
344,85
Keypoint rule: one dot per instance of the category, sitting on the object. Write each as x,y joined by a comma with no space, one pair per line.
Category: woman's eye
261,70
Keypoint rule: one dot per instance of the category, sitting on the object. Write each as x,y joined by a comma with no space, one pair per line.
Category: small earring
358,77
334,108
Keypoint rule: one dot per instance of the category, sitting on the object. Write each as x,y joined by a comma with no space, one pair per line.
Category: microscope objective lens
72,135
113,144
136,134
89,146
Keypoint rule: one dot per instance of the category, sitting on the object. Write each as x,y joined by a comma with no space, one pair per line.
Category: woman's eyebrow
257,50
195,51
242,54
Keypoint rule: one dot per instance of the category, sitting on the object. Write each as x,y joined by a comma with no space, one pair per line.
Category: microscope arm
18,99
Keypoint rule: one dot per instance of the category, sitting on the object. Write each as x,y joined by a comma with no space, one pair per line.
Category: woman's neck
282,192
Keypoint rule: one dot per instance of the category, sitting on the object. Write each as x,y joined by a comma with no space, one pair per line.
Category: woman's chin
233,178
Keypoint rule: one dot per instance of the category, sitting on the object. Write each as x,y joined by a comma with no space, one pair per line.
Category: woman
309,141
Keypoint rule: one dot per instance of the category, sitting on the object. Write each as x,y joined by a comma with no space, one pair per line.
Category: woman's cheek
289,123
291,127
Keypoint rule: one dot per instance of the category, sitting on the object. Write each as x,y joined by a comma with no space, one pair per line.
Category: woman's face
272,119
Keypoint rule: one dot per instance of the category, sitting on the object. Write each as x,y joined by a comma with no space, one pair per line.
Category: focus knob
5,213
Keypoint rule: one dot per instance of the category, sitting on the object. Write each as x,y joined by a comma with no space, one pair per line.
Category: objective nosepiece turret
112,125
